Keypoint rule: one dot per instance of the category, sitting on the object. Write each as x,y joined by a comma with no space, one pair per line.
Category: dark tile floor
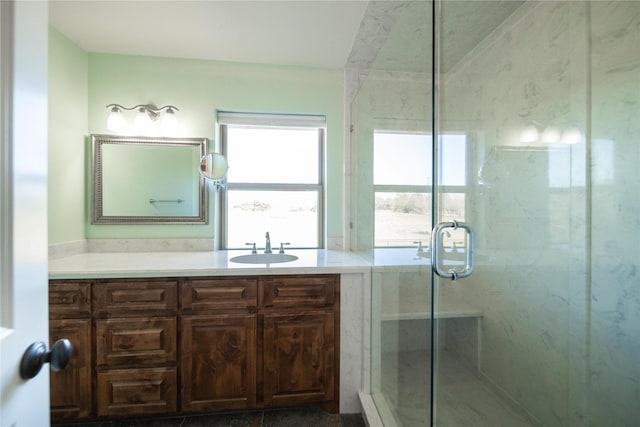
306,417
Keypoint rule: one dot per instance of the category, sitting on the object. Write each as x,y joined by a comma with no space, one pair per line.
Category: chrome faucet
267,245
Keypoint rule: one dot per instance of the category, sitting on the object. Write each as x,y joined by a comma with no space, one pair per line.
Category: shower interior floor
461,398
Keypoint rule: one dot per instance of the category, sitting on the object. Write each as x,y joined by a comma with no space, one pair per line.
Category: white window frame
226,119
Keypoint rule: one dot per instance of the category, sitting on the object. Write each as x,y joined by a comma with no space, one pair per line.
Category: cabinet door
218,362
299,364
71,387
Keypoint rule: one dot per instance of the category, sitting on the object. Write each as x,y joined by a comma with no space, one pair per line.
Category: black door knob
37,355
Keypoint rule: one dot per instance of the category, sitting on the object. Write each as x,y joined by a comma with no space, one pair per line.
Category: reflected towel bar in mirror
166,201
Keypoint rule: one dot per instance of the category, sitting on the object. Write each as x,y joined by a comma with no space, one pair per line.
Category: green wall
68,97
199,88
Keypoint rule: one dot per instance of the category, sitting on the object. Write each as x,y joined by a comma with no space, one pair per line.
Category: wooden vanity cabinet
185,345
218,332
136,347
70,317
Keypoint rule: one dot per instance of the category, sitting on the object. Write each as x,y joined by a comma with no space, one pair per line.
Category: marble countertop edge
95,265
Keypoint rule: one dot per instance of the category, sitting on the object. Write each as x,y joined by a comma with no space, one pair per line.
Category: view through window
402,186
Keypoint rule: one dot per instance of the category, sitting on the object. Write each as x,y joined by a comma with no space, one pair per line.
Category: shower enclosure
522,120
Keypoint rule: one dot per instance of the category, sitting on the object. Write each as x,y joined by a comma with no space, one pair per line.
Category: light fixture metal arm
148,107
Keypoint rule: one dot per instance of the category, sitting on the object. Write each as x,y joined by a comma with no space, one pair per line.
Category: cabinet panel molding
70,388
135,342
218,362
204,295
69,300
299,291
136,392
298,358
135,297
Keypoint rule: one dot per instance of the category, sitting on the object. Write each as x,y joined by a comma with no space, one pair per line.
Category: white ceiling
316,33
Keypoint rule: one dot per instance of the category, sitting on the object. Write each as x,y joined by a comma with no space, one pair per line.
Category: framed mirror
143,180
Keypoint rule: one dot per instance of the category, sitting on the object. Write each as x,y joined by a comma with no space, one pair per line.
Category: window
402,175
275,181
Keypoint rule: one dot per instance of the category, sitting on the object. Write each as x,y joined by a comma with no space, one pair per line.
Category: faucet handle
253,247
282,247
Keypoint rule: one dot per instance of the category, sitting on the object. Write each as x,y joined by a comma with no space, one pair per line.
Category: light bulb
571,136
142,123
529,134
169,122
550,135
116,121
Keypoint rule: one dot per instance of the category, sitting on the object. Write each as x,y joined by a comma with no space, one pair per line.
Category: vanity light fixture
551,134
144,120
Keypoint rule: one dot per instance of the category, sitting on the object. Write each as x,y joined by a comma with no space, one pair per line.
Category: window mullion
402,188
273,187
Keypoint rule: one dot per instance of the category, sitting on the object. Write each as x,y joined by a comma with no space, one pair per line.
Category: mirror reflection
147,180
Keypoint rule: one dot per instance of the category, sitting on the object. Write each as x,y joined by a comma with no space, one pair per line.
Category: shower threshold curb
369,411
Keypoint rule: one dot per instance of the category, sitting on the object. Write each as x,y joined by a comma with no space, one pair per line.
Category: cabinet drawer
135,342
135,297
299,291
69,299
129,392
200,296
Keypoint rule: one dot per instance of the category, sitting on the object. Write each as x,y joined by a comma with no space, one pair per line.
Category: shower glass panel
507,347
539,102
391,198
549,99
614,311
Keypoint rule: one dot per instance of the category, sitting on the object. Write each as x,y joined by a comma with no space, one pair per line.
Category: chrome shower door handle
436,240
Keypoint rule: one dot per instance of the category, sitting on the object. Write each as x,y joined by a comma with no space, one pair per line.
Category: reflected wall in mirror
139,180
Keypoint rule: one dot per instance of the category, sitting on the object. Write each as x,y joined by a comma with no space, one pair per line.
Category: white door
23,208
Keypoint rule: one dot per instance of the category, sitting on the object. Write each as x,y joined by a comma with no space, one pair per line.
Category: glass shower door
506,336
537,109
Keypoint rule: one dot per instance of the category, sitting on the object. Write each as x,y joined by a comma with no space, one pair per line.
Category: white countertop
92,265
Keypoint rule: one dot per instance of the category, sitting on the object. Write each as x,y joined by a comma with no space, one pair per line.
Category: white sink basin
263,258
